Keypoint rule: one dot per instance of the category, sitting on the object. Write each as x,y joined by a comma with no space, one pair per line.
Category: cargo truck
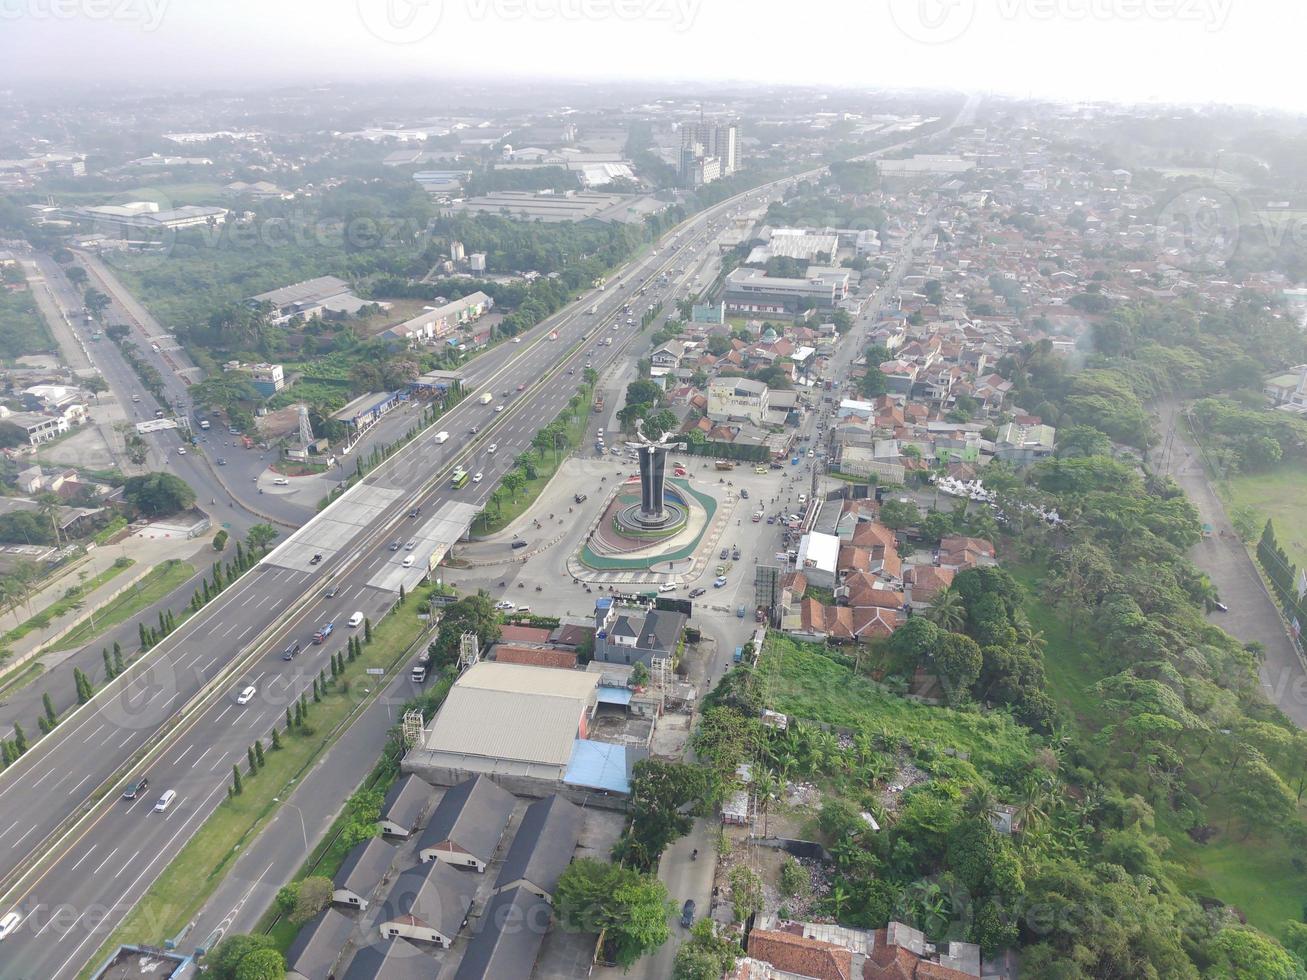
418,674
442,436
486,398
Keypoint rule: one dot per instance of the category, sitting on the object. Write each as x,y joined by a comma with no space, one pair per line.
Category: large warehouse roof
513,712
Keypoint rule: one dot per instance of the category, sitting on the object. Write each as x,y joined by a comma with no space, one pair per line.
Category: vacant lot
1278,494
801,680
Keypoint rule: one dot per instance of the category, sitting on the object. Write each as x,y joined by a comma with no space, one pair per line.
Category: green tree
664,798
222,961
313,896
51,717
706,955
261,964
897,514
159,493
260,537
1237,953
362,818
237,787
746,891
220,540
630,908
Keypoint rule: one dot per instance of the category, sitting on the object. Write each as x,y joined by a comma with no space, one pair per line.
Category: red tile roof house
535,656
525,634
925,582
800,956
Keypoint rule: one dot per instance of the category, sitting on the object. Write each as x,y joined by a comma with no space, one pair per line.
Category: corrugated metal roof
508,725
598,765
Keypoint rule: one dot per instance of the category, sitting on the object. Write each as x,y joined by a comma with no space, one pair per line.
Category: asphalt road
1253,615
101,870
91,877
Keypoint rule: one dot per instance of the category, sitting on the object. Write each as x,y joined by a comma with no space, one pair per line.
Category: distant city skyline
1189,51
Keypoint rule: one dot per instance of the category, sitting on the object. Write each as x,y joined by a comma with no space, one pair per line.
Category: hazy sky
1241,51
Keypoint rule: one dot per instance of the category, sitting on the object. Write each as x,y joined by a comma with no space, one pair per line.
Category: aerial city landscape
465,515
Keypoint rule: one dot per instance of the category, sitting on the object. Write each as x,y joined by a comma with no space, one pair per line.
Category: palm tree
947,610
48,507
980,803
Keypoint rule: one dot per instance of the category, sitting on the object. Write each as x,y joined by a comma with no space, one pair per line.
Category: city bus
460,479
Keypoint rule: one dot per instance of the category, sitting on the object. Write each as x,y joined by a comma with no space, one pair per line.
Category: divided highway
176,708
74,856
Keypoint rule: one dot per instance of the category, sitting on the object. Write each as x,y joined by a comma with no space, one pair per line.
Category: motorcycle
502,584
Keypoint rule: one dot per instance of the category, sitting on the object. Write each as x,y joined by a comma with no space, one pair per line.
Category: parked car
135,788
580,498
281,481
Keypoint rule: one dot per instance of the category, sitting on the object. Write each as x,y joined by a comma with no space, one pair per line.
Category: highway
73,863
176,706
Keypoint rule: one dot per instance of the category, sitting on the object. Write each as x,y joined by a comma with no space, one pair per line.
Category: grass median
188,881
161,580
510,509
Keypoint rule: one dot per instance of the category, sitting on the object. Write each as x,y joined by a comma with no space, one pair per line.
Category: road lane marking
48,774
104,862
224,712
84,856
82,780
177,761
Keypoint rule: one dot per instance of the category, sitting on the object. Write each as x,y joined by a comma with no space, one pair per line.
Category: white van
165,801
356,620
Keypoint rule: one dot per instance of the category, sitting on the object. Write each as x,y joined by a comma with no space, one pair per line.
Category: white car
505,604
476,477
517,340
9,924
408,561
281,481
181,450
246,696
492,448
499,408
165,801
